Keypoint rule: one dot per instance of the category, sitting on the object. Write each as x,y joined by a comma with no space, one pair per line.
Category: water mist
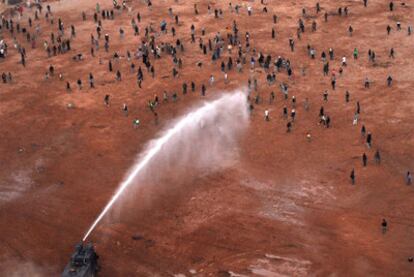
202,139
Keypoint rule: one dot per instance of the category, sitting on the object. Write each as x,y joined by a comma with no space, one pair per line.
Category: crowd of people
233,51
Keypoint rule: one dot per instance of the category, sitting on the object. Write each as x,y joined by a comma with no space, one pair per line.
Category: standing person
384,225
289,127
325,96
355,53
391,5
135,123
23,59
293,114
292,44
388,29
364,160
331,54
272,97
363,131
389,80
125,109
266,115
211,80
408,178
79,82
369,140
366,82
184,88
106,100
91,81
392,53
328,121
203,90
352,176
377,157
355,121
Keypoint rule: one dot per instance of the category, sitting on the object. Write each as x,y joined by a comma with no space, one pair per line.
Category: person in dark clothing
384,225
408,178
79,82
389,80
392,53
364,160
363,131
369,140
184,88
106,100
285,112
289,127
377,157
203,90
352,176
91,81
391,5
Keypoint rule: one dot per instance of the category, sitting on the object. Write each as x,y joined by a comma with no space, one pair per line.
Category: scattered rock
223,273
137,237
149,243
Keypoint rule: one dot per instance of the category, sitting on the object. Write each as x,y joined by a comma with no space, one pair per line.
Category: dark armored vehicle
83,263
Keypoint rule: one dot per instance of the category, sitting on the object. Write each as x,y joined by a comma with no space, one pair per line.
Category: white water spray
212,125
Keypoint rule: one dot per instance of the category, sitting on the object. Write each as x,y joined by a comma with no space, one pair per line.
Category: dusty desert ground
285,206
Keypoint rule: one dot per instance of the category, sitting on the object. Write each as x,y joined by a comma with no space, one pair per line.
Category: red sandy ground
287,208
